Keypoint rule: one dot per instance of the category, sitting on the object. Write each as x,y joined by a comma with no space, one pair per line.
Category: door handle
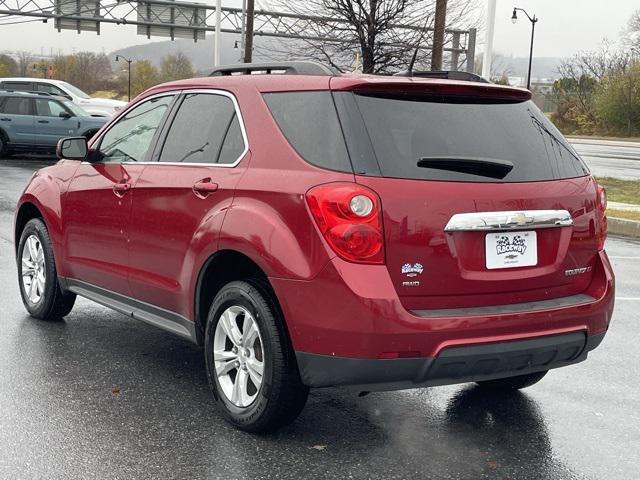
121,188
204,187
5,119
43,121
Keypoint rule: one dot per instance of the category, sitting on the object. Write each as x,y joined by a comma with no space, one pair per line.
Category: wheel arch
27,211
219,269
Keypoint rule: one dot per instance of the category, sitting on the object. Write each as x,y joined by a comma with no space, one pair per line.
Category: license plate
511,249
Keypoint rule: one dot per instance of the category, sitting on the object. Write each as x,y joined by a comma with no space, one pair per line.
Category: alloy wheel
34,274
238,355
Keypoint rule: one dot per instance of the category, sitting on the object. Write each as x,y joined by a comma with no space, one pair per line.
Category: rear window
17,106
310,123
408,131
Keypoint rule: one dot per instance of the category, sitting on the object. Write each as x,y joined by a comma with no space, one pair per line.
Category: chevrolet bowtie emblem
519,219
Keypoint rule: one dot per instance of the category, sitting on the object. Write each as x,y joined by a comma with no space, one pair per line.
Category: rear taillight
601,210
349,217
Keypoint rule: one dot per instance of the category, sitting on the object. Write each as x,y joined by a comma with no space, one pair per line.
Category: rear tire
251,366
39,288
514,383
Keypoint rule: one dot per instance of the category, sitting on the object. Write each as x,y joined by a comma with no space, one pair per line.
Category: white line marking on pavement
628,298
625,258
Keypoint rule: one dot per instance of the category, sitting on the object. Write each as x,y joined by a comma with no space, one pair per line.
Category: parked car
34,122
96,107
313,230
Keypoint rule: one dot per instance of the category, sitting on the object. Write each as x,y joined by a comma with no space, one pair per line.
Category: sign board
78,8
174,17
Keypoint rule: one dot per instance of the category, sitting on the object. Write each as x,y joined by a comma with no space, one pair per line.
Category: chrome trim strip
211,91
511,220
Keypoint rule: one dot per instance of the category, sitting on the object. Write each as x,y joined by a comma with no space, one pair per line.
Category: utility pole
488,43
248,40
243,29
438,34
216,36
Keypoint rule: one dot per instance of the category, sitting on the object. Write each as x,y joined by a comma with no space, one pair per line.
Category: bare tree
500,66
24,60
383,33
597,63
631,37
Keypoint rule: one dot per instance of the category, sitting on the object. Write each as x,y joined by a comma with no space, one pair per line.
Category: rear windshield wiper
484,167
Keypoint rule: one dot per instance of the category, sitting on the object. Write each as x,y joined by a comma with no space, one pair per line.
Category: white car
96,107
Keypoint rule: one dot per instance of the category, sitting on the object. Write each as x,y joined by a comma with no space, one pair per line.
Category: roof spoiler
444,74
417,86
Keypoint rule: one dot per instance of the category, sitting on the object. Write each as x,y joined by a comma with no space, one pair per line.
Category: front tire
39,288
514,383
251,367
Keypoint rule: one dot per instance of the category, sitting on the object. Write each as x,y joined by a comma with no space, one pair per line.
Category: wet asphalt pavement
100,395
610,158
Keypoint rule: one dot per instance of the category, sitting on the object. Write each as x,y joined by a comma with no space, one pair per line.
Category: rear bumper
352,314
453,365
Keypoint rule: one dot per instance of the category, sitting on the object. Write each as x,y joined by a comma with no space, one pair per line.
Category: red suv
312,230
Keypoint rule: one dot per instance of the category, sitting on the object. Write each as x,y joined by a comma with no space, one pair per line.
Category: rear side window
206,129
17,106
310,123
18,86
413,135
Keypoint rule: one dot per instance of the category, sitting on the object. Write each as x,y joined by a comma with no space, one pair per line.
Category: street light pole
118,57
534,20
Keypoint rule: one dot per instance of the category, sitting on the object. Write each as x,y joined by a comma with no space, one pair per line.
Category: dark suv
313,230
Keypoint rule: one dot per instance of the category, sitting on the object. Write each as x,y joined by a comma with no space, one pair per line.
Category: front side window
49,108
52,89
75,90
217,139
129,139
17,106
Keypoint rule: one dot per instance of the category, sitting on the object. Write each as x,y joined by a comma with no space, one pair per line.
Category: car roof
266,83
22,93
31,79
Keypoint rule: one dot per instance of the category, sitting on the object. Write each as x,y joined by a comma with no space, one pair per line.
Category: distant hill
543,67
201,54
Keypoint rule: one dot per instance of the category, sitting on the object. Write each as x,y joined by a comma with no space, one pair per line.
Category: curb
622,226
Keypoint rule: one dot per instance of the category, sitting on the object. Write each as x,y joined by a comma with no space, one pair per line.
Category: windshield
75,90
404,130
77,110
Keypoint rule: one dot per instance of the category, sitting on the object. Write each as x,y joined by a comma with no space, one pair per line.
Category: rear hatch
530,204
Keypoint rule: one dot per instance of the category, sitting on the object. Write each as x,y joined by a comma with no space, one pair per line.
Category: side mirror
72,148
64,115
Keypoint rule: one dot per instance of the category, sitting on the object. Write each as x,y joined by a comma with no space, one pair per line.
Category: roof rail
286,68
445,74
31,92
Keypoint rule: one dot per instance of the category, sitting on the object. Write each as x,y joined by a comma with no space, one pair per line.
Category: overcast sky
565,27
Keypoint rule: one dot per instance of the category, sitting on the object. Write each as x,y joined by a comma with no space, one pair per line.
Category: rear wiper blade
484,167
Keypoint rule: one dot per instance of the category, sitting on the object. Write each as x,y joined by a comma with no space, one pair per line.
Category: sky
564,27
